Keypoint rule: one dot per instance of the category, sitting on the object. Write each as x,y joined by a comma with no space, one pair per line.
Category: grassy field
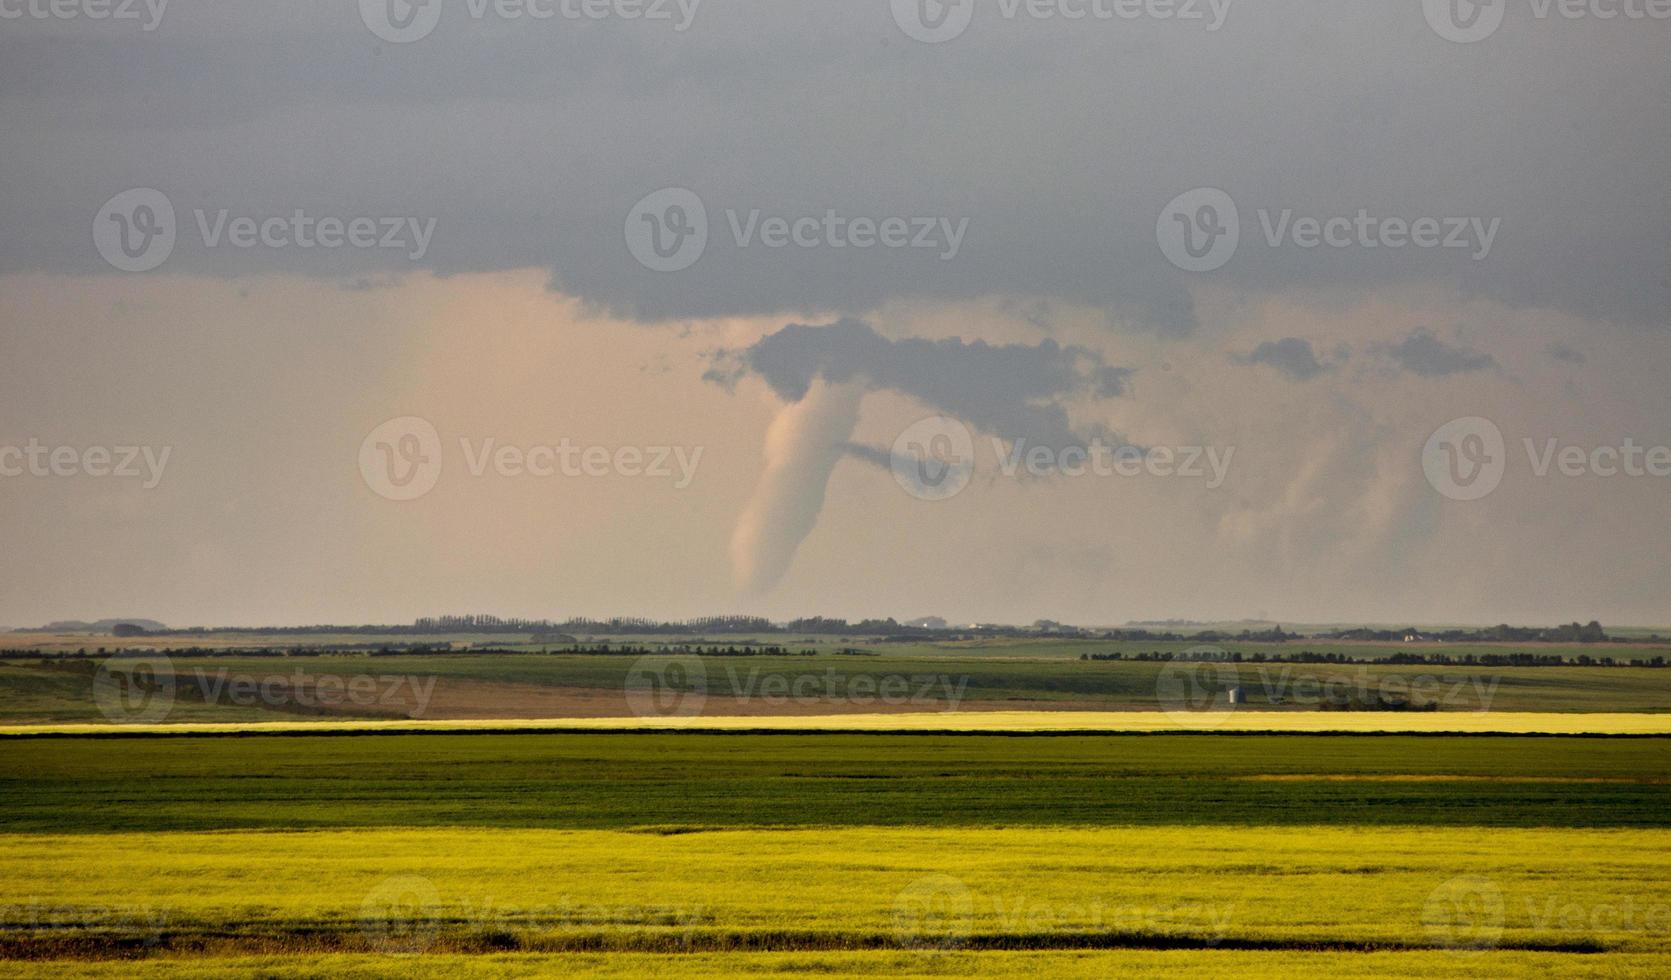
1242,722
517,814
530,685
684,781
787,854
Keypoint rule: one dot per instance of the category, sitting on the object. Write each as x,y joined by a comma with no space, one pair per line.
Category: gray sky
1037,176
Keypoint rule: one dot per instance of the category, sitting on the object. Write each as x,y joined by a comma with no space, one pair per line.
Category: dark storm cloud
1562,352
1423,354
1290,355
529,140
874,455
1014,391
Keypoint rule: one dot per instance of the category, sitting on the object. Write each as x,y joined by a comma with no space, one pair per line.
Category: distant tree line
681,650
1518,659
1590,632
428,649
887,630
370,649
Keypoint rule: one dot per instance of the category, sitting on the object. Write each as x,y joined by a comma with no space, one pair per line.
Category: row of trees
892,630
1517,659
1590,632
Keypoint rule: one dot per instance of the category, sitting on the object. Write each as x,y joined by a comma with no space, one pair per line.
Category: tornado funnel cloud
803,445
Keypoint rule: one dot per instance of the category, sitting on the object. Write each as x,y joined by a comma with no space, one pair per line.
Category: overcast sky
1291,243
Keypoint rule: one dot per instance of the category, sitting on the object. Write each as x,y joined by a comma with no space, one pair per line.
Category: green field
679,781
705,855
324,851
532,685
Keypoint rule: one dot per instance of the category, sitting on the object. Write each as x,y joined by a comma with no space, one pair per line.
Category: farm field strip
1075,965
777,854
628,780
1313,722
466,889
343,687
